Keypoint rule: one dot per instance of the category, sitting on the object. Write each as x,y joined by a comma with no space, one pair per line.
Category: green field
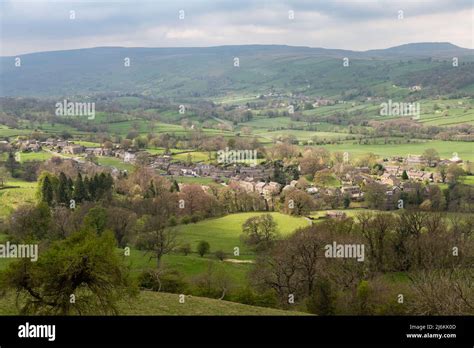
303,135
87,143
11,198
465,150
224,233
193,180
115,162
196,156
35,156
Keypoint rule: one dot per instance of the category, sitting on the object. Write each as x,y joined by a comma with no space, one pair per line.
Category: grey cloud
32,23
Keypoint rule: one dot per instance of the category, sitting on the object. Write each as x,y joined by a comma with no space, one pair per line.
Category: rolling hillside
210,72
154,303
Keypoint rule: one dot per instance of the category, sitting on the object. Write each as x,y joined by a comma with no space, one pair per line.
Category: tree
4,176
196,200
214,282
83,265
442,292
431,155
30,222
323,178
62,224
154,236
363,295
323,299
442,169
174,186
404,175
122,222
47,192
63,193
376,228
186,249
96,219
454,172
151,192
314,160
203,248
80,191
346,201
298,202
220,254
260,232
375,196
11,164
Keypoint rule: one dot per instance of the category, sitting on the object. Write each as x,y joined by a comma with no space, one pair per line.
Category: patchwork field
11,198
446,149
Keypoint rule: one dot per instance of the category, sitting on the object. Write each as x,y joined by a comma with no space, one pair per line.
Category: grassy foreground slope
155,303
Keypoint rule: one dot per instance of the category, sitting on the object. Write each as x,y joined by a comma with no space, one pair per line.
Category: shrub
203,248
167,281
253,298
185,249
220,255
323,299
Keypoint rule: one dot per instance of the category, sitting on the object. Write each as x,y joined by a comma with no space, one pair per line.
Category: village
398,174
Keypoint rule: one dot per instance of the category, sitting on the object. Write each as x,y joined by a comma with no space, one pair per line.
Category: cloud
40,25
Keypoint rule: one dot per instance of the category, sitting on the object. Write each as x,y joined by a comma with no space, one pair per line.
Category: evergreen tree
404,175
89,189
94,187
80,191
174,186
70,186
63,194
47,192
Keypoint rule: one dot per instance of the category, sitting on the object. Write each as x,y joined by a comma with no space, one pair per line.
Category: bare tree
443,292
157,238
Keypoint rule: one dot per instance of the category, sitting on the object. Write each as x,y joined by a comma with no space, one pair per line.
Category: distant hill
423,49
210,71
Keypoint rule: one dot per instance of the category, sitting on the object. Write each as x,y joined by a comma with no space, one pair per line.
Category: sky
46,25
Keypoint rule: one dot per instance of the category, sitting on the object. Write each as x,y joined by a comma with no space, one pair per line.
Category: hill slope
210,71
154,303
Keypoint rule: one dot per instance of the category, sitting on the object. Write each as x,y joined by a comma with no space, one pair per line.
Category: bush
323,299
185,220
185,249
203,248
250,297
220,255
172,221
167,281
